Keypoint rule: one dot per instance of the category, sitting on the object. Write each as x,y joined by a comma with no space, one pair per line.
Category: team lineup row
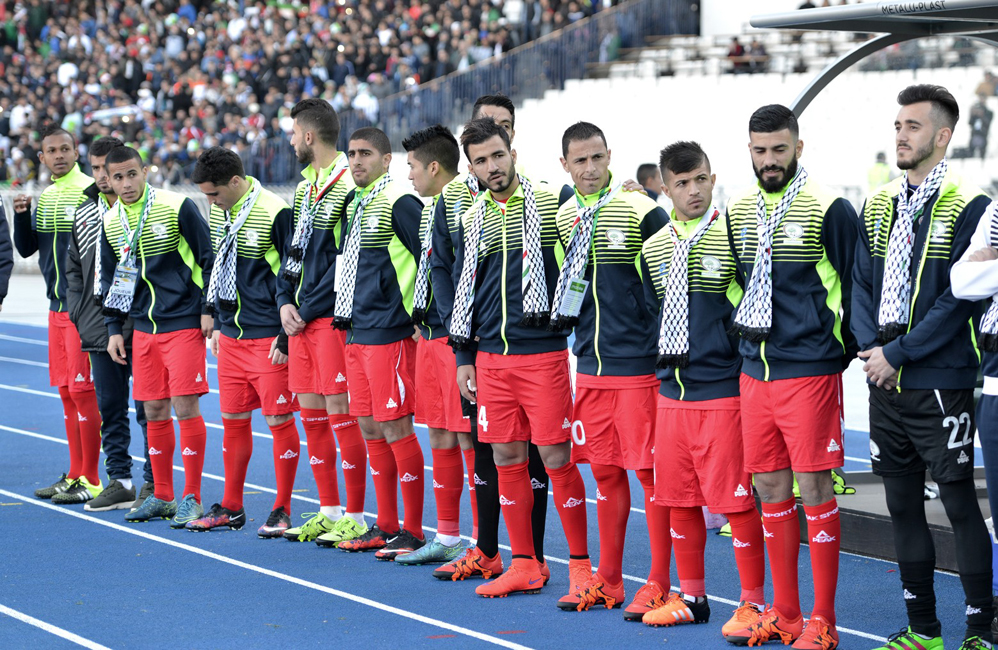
716,336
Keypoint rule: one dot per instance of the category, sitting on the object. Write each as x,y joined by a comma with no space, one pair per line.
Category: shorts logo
573,502
391,404
346,465
340,378
503,501
566,424
437,486
479,481
675,535
909,596
962,458
79,377
189,452
154,452
315,461
281,399
288,455
739,543
874,451
766,533
973,610
741,491
537,485
833,446
408,478
823,538
198,379
599,495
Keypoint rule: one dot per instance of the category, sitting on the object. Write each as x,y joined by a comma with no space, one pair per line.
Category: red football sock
72,420
90,423
353,451
469,461
287,446
750,554
516,498
385,473
193,438
570,502
237,447
409,460
162,442
613,505
448,484
659,520
321,455
689,539
824,532
782,534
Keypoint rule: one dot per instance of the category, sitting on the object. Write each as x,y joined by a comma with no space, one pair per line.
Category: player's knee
509,454
278,420
157,410
442,439
815,487
774,487
186,407
959,500
337,404
556,456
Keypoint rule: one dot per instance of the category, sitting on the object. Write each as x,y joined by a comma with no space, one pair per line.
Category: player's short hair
479,130
498,99
772,118
217,165
435,143
578,132
646,172
122,154
54,129
682,157
317,115
375,136
102,146
945,109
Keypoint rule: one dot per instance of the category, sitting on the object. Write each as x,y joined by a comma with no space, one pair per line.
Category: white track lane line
556,560
51,629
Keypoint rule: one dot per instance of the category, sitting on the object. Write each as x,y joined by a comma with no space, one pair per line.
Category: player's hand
291,321
986,254
878,369
276,356
214,343
22,203
116,348
207,326
631,185
467,382
415,333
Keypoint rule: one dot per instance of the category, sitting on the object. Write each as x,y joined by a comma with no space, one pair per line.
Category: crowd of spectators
173,77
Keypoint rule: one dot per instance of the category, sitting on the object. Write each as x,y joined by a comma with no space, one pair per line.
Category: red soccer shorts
614,422
317,359
524,398
438,400
699,456
247,380
381,379
68,364
792,423
168,365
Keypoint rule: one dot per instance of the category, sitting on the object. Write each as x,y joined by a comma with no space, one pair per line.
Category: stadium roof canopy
896,20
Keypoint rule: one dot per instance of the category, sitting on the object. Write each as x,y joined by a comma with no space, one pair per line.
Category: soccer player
794,244
155,252
316,356
692,291
6,256
433,157
509,240
110,379
48,231
599,293
380,243
917,339
249,225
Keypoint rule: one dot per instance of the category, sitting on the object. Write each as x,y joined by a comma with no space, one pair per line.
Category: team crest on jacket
159,230
711,266
70,211
252,237
937,232
616,237
794,233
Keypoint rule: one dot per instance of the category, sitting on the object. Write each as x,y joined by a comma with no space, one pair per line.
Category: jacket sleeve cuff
894,354
114,328
305,313
466,357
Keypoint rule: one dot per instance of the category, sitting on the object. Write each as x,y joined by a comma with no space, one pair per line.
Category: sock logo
346,465
189,452
675,535
80,417
824,515
566,424
537,485
572,502
281,399
224,450
198,379
740,491
154,452
315,461
375,472
737,543
973,610
766,533
599,495
79,377
503,501
288,455
910,596
479,481
962,458
340,378
437,486
833,446
408,478
822,538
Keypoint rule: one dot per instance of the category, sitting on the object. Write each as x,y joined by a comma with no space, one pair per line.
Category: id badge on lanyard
126,277
571,304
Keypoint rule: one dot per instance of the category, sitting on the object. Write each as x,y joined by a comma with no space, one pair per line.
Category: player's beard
918,156
504,185
780,182
305,155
